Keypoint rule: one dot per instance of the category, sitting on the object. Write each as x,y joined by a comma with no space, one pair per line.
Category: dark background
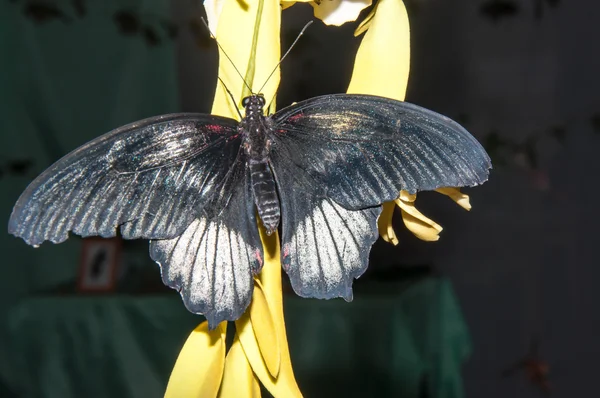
521,75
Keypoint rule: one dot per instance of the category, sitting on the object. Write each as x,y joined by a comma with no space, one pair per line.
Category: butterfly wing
151,178
364,149
180,180
212,262
336,158
324,246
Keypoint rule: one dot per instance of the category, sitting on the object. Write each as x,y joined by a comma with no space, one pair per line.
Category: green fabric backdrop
408,345
62,84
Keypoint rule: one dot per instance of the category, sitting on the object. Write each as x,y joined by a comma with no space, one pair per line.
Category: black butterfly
193,183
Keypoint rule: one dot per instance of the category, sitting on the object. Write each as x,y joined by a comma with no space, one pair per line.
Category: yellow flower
249,33
381,67
250,37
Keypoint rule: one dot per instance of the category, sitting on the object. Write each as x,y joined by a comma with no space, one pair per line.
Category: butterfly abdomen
265,194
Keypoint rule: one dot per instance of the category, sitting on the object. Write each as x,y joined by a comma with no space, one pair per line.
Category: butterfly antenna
286,53
232,64
231,96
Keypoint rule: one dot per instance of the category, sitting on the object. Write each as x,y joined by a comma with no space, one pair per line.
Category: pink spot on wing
295,117
285,263
214,128
286,250
258,257
232,137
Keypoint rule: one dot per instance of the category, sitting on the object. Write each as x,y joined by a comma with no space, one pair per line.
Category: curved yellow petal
238,378
384,223
460,198
284,385
422,227
382,62
365,23
249,32
199,366
257,325
288,3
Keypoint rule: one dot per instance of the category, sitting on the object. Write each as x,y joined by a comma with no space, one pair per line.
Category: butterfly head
254,104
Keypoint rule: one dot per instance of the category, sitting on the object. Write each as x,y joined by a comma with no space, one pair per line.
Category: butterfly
196,184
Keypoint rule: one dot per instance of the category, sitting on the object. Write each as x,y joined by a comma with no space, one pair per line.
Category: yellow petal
257,325
249,32
284,385
238,378
384,224
422,227
199,366
338,12
407,197
365,23
382,62
460,198
287,4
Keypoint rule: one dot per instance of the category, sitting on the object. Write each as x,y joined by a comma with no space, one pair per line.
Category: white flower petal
213,12
338,12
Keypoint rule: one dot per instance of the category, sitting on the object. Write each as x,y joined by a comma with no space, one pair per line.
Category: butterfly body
193,184
255,128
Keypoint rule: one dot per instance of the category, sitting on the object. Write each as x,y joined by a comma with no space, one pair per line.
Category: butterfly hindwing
151,178
211,264
363,149
324,246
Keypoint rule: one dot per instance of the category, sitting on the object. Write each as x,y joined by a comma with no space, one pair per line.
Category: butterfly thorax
255,130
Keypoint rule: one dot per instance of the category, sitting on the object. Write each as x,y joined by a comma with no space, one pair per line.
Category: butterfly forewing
363,149
151,177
